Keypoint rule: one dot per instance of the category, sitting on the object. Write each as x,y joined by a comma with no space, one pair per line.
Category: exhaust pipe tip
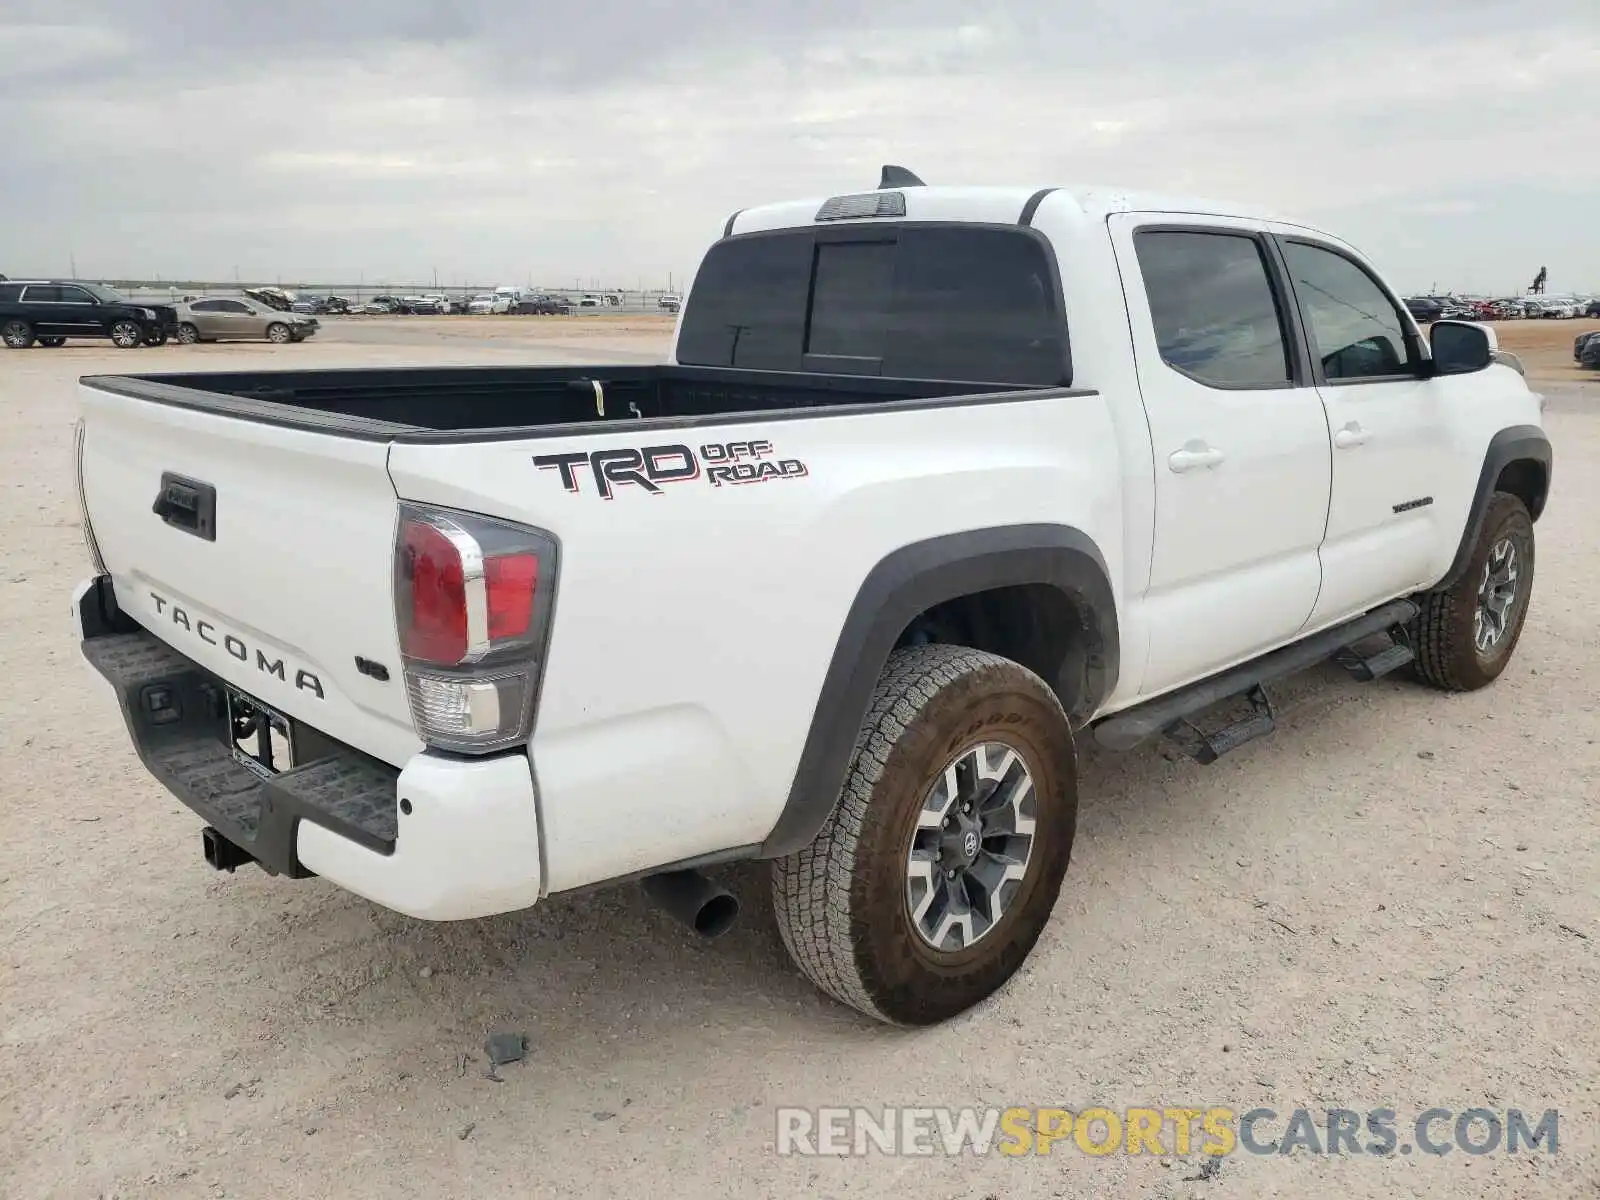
717,915
693,900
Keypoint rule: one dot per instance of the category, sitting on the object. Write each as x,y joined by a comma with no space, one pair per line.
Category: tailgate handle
187,504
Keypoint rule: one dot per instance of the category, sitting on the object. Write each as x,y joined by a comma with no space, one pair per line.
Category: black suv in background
1425,309
542,305
49,311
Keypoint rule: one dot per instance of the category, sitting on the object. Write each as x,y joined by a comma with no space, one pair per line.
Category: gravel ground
1394,901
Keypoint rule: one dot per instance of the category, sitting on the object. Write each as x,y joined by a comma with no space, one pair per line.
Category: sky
1457,142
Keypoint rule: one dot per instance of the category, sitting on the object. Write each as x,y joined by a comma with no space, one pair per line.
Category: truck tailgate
292,582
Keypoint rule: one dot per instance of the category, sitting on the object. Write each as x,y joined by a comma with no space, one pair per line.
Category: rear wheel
156,338
1465,634
52,342
278,333
17,334
127,335
188,335
940,864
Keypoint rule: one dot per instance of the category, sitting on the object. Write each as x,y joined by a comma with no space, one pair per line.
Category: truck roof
1001,205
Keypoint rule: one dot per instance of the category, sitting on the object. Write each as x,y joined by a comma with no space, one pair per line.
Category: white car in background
489,303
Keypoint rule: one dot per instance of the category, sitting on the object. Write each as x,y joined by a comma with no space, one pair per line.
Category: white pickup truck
937,483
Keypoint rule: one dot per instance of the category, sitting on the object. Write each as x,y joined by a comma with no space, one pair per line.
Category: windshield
104,294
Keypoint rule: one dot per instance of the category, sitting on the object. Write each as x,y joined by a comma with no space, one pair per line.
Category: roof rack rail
898,177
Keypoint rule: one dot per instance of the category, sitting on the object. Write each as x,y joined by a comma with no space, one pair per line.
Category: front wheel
17,334
188,335
938,868
278,333
1465,634
127,335
156,338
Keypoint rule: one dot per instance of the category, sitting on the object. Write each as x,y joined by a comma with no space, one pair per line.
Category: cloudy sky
1456,141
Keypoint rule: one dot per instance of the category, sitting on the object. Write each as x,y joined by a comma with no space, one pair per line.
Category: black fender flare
905,584
1518,443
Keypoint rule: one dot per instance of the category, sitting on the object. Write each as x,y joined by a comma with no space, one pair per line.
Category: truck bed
445,403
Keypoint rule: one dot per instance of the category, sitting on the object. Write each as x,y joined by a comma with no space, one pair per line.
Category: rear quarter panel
693,626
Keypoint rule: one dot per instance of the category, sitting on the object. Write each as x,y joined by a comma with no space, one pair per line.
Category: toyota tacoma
936,485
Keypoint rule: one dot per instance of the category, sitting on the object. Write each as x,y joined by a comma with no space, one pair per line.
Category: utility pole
73,259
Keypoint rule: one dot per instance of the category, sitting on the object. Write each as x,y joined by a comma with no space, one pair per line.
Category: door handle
1351,435
1194,455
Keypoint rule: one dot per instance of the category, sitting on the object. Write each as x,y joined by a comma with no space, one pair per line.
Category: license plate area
260,738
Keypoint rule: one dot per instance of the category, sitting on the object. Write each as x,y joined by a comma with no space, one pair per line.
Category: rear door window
41,293
1215,314
936,302
10,293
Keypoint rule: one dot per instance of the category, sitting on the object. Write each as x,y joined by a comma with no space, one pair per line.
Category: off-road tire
53,342
278,334
17,334
841,902
1443,633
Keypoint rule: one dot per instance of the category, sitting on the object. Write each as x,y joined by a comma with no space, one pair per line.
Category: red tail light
436,630
472,605
511,580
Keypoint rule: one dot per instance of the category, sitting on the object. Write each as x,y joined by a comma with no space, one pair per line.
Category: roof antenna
898,177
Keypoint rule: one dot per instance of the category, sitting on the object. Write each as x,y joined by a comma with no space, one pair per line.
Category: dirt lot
1394,901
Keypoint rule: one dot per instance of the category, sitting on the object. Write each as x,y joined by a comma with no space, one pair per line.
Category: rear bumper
443,839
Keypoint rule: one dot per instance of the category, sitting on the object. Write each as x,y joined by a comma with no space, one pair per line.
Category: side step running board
1368,668
1128,729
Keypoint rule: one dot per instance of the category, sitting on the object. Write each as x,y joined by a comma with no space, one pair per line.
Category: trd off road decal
653,467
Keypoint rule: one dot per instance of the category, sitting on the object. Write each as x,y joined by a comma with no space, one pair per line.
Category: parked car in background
47,312
489,303
382,306
589,300
542,305
671,302
1586,350
272,297
1424,309
1592,309
221,318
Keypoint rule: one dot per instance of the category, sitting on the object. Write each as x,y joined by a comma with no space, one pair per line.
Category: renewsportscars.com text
1214,1131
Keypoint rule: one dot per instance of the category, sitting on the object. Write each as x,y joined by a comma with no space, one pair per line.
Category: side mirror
1460,347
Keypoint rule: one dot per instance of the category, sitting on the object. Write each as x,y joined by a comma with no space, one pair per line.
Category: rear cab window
965,303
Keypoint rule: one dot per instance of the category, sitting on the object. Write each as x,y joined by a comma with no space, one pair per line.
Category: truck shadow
607,965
